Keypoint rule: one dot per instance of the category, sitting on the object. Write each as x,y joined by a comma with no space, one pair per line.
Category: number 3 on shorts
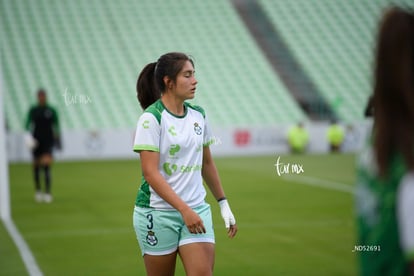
150,220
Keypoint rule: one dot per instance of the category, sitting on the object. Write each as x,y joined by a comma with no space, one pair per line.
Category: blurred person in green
336,136
384,194
298,138
42,126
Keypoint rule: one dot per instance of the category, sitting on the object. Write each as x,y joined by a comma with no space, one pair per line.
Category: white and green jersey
180,141
385,220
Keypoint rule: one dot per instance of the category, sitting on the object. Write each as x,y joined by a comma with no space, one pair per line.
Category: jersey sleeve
208,138
405,207
56,126
29,118
147,135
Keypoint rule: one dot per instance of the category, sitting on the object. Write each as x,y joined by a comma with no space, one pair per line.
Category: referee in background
43,126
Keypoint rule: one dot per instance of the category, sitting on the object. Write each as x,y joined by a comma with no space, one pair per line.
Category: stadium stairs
283,62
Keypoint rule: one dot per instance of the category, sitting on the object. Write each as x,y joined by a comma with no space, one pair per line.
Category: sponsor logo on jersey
171,130
169,169
145,124
174,149
191,168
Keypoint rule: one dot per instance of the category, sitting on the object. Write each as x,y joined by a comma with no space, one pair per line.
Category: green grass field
285,226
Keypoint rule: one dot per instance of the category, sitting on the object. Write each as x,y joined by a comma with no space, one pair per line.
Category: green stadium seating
96,49
333,41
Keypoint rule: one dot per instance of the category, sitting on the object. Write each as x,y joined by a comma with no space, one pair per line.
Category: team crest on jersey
197,129
151,238
48,114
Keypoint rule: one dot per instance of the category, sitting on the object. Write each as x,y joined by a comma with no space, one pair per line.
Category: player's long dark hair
394,90
151,83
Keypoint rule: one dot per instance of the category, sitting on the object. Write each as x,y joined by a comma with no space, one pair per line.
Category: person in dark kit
43,126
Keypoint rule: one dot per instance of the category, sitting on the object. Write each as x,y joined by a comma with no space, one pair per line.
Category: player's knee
46,160
200,267
201,270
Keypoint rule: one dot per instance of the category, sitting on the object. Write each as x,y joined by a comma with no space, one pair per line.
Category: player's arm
28,122
405,207
210,174
56,129
212,179
55,120
29,140
149,164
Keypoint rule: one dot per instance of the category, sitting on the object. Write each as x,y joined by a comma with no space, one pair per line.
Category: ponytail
147,91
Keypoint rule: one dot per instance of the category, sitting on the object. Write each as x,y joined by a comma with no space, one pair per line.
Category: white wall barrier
117,143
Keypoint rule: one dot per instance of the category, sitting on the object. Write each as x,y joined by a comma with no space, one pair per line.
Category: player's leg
197,250
158,235
36,175
36,178
46,161
160,265
197,258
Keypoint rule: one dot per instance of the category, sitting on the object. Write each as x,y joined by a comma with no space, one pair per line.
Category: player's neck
173,104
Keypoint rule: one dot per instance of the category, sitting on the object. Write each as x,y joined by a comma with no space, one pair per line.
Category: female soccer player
385,180
42,121
173,138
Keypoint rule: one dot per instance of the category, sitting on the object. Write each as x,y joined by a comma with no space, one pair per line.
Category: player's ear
169,83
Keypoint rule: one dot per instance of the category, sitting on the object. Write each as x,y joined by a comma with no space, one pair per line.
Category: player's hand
229,220
30,141
193,222
58,143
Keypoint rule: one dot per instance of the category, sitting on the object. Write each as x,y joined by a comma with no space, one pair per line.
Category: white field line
321,183
24,250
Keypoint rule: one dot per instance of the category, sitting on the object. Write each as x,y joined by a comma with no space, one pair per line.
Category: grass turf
285,228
